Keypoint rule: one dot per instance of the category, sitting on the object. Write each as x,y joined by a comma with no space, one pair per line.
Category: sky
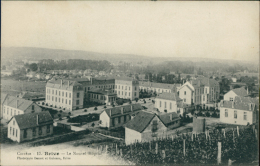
207,29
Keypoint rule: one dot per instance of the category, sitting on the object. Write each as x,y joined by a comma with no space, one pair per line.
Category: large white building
200,91
64,94
240,111
11,106
127,88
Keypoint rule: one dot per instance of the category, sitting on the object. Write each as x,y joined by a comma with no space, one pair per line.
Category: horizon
223,31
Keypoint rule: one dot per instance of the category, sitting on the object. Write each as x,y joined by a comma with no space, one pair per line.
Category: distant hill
59,54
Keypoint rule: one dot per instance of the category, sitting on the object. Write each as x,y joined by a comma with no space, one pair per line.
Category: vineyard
211,147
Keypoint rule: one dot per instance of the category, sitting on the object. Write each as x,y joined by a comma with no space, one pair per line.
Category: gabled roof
26,121
117,111
18,103
3,97
241,103
169,96
240,91
140,121
166,118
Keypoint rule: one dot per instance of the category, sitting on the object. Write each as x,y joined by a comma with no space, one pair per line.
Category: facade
230,96
147,126
127,88
167,102
118,116
12,106
200,91
158,87
64,94
102,96
240,111
30,126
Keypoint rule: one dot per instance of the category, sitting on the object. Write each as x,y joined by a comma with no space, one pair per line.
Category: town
108,106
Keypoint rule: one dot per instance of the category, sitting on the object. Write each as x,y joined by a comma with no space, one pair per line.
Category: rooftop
116,111
18,103
169,96
240,91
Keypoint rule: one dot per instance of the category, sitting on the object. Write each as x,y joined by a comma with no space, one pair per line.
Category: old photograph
129,83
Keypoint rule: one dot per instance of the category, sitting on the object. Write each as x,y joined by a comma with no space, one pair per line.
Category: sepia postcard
129,82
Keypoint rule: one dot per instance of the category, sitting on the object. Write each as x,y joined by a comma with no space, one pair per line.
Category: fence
212,147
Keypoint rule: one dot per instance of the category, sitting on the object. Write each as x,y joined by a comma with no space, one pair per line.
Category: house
230,96
64,94
200,91
240,111
167,102
146,126
118,116
102,96
127,88
30,126
15,106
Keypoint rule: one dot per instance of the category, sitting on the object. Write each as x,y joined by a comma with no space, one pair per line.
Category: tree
33,67
93,124
95,108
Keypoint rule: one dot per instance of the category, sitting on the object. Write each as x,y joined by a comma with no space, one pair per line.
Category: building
167,102
64,94
200,91
118,116
158,87
147,126
102,96
230,96
240,111
30,126
12,106
127,88
31,96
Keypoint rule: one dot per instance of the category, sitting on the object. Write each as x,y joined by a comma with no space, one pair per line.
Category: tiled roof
116,111
158,85
166,118
169,96
25,121
140,121
203,81
102,91
18,103
3,97
56,83
240,91
241,103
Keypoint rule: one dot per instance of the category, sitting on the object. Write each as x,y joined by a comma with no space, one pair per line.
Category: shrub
85,110
165,111
60,111
68,117
60,118
113,105
69,113
105,106
95,108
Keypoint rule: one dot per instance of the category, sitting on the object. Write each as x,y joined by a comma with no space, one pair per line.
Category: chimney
171,117
122,110
37,119
61,83
17,103
110,112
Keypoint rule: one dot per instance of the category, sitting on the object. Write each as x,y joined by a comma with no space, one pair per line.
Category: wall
75,98
229,95
131,136
173,108
240,116
15,127
36,108
188,96
104,119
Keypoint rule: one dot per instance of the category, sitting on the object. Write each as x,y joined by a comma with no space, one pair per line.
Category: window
129,87
16,132
34,131
165,106
13,131
245,115
154,127
118,92
40,130
56,92
59,99
125,87
66,94
66,101
10,130
160,104
59,93
235,114
14,122
52,98
129,94
226,112
52,91
25,134
77,95
62,100
14,112
7,111
122,93
69,102
4,109
70,95
231,99
77,102
170,105
62,93
135,87
119,119
48,129
184,100
184,92
56,99
135,93
125,93
118,86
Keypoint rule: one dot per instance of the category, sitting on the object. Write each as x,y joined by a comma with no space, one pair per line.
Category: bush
105,106
68,117
69,113
95,108
60,118
85,110
60,111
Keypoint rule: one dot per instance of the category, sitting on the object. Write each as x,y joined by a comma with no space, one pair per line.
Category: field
14,87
